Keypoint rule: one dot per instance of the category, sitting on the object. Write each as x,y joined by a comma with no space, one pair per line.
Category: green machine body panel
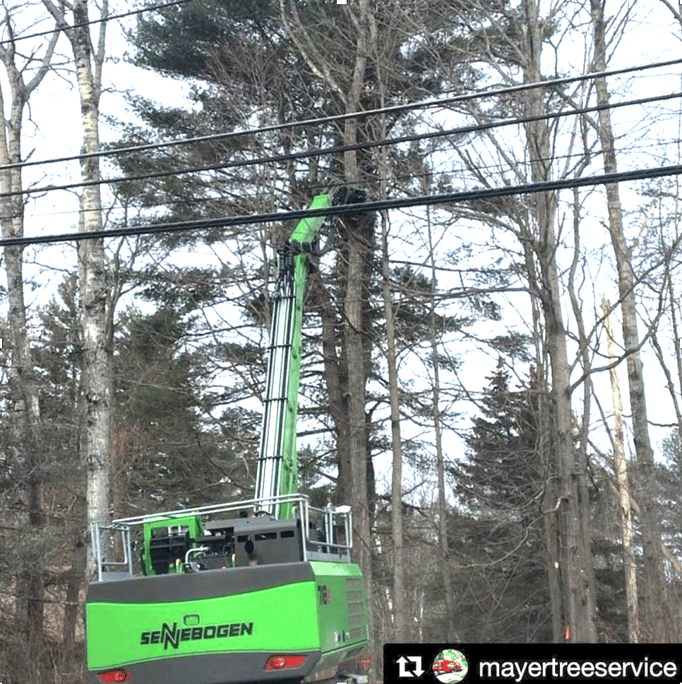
222,626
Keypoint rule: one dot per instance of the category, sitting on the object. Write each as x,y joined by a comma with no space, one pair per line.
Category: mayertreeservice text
576,669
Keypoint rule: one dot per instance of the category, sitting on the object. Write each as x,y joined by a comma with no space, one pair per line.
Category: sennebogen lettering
172,635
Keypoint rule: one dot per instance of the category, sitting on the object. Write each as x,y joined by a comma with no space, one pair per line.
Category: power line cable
423,104
347,209
101,20
335,149
396,180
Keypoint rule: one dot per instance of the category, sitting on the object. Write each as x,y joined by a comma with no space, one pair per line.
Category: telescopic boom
277,472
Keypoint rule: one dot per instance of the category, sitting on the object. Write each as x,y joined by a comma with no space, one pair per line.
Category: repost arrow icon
416,671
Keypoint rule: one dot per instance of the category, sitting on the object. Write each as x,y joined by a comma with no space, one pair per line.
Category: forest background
473,377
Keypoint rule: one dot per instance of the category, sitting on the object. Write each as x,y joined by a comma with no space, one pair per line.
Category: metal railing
332,524
104,537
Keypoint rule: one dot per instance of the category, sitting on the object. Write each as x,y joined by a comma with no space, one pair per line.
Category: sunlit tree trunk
443,543
578,592
399,588
658,621
622,488
92,266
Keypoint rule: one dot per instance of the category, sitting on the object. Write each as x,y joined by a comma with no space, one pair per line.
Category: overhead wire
335,149
423,104
396,180
396,203
349,209
101,20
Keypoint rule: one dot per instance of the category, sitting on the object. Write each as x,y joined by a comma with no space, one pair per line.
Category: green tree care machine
250,591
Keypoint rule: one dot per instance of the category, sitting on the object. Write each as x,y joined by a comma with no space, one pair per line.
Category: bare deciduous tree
23,74
92,262
657,616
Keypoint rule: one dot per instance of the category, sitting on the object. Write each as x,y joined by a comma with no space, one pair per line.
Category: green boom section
277,472
302,239
307,229
279,618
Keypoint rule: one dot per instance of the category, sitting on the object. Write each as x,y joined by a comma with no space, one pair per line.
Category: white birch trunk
92,270
623,488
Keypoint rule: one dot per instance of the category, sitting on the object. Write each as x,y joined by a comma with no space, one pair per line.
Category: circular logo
450,666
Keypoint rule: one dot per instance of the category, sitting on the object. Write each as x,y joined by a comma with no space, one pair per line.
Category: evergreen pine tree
499,535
